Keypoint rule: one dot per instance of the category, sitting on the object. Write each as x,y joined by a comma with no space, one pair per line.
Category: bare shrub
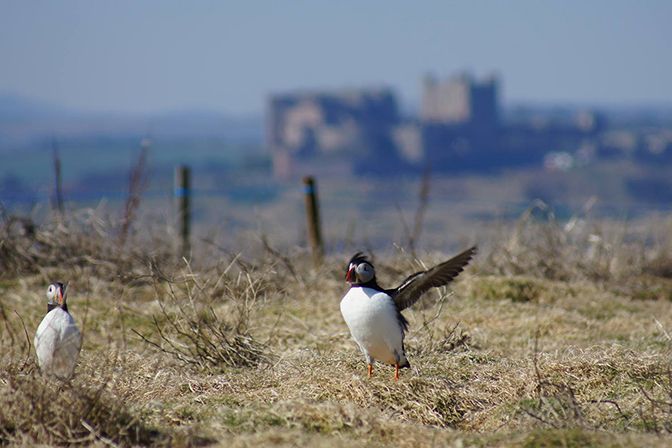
645,404
436,341
449,340
413,236
208,325
554,404
655,410
137,183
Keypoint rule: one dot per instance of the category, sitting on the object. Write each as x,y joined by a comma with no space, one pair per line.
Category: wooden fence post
182,196
313,218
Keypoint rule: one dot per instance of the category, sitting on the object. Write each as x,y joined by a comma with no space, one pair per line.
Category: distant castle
459,128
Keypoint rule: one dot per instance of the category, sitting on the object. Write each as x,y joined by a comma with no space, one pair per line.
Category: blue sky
148,56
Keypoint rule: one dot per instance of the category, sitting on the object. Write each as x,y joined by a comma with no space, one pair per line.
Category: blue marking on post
181,192
309,189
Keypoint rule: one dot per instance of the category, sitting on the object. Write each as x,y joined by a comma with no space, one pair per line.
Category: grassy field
554,336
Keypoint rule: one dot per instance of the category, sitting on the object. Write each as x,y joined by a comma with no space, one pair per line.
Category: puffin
57,340
373,314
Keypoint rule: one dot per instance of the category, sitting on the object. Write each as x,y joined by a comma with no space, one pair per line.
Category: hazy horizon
152,57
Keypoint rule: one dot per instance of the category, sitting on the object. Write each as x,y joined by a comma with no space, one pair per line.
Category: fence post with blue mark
182,196
313,218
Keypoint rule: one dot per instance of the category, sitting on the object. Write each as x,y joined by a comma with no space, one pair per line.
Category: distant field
556,336
83,158
236,197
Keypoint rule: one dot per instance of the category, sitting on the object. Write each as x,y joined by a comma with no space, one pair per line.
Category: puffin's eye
365,268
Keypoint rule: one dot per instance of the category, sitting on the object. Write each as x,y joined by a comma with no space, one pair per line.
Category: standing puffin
373,314
57,340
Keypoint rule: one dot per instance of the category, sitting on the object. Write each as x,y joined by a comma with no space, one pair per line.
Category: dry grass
38,411
205,324
84,239
557,336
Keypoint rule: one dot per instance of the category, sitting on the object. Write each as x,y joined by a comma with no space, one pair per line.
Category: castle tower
461,100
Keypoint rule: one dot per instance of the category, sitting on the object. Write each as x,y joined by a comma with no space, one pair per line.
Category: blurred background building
460,126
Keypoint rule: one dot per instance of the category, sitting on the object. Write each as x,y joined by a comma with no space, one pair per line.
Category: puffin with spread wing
373,314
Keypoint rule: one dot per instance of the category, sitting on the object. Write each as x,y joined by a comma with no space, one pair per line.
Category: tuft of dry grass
36,410
542,247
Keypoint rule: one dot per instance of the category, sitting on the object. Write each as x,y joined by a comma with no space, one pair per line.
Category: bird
57,340
373,314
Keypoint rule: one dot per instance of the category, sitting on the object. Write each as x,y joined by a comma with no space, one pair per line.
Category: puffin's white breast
57,343
372,319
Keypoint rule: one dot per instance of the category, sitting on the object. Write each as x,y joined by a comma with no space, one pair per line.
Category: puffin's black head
359,270
56,296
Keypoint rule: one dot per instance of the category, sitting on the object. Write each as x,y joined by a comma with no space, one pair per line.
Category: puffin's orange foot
396,372
370,370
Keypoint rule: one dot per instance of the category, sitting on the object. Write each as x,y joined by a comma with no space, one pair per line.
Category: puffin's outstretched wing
417,284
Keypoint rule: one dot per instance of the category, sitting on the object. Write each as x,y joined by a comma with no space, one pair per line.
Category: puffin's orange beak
60,296
350,275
